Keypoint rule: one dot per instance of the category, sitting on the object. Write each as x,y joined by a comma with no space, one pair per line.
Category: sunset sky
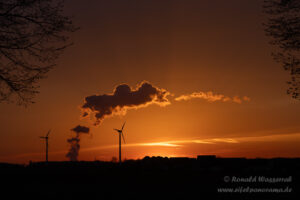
214,52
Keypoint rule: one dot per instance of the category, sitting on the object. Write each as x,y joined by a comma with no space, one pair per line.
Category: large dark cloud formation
122,99
74,142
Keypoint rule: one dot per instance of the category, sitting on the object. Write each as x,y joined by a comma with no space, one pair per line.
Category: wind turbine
46,138
120,131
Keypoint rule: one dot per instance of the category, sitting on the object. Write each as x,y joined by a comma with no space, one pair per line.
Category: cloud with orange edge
122,99
211,97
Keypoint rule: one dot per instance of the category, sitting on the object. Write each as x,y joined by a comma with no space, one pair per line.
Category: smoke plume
74,142
211,97
122,99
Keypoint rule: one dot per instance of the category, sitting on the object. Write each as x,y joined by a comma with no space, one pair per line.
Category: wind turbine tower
46,138
120,131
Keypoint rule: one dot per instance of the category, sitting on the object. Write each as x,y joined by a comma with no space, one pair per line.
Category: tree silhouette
283,27
33,33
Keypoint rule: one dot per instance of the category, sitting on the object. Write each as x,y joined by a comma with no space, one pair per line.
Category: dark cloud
74,142
122,99
81,129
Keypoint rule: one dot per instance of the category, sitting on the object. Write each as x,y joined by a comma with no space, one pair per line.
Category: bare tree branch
33,33
283,28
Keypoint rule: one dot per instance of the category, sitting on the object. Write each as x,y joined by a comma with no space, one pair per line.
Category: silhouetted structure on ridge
120,131
46,139
206,157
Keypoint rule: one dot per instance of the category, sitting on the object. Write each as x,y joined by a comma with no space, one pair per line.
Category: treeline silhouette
150,178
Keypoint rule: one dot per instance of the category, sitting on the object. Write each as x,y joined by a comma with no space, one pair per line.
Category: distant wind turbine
120,131
46,138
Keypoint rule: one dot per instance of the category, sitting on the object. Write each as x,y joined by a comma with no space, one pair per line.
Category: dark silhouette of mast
120,158
120,131
46,138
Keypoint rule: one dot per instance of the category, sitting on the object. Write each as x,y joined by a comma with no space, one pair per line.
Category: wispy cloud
161,144
172,143
210,141
211,97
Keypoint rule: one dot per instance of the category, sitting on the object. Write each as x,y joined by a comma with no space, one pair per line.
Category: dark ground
154,178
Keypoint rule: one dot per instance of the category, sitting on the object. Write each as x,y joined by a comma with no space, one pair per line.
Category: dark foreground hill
155,178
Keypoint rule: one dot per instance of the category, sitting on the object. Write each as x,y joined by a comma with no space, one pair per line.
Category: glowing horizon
173,144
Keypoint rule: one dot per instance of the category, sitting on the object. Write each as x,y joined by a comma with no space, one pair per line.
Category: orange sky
184,47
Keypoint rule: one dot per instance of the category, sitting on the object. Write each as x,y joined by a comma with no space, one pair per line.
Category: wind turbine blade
123,138
48,133
123,126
